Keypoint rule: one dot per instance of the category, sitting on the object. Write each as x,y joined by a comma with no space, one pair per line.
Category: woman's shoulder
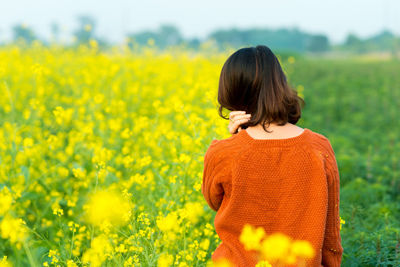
225,143
224,148
218,145
321,142
319,137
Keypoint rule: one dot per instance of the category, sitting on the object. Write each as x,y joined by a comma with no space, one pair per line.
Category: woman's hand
235,119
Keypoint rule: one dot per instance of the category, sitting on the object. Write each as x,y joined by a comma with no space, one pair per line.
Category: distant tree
279,39
23,32
383,41
193,43
318,43
85,31
352,39
354,43
170,34
143,36
396,49
55,31
165,35
231,36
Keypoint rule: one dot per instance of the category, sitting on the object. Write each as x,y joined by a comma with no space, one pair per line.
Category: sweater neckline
284,141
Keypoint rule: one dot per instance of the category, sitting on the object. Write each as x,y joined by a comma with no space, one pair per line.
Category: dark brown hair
252,80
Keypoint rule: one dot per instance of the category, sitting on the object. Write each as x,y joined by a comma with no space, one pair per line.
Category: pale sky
335,18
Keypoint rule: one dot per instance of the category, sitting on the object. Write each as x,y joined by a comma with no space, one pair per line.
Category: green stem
72,240
29,254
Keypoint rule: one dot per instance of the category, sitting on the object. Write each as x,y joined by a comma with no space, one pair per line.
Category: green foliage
384,41
85,31
23,33
280,39
166,35
355,104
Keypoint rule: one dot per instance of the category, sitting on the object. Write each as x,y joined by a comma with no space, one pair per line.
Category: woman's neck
275,131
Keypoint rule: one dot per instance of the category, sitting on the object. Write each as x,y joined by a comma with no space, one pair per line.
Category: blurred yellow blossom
4,262
168,223
222,262
99,250
275,246
6,200
13,229
107,206
165,260
88,27
263,263
303,249
251,236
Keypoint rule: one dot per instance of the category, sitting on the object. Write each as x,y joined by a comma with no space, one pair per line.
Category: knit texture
283,185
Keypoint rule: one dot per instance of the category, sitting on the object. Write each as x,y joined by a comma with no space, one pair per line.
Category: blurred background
329,27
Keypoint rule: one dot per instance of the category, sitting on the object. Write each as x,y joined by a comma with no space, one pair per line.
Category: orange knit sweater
287,185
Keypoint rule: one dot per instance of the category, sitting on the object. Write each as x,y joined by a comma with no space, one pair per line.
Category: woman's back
286,185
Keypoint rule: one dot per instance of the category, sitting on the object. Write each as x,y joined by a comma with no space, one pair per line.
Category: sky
116,18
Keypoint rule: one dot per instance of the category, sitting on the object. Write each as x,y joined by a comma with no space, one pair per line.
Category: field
75,122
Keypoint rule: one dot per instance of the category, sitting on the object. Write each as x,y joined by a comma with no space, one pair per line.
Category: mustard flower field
102,154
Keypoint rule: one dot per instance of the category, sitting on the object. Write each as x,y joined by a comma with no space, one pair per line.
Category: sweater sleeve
332,249
212,190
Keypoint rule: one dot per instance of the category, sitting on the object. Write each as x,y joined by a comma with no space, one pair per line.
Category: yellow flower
168,223
275,247
165,260
341,222
58,211
5,200
63,115
54,254
291,259
205,244
4,262
71,263
88,27
222,262
300,91
28,142
98,251
93,43
251,237
302,249
263,263
13,229
79,173
150,41
107,207
194,211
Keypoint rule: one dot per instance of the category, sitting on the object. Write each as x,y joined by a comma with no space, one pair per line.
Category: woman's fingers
239,117
235,125
236,118
240,121
234,113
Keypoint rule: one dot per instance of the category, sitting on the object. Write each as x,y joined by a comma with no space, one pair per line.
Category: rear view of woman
270,173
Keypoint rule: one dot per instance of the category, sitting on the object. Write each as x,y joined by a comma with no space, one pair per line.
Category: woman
270,173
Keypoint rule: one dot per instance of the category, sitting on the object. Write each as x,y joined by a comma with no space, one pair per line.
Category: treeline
384,41
166,35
